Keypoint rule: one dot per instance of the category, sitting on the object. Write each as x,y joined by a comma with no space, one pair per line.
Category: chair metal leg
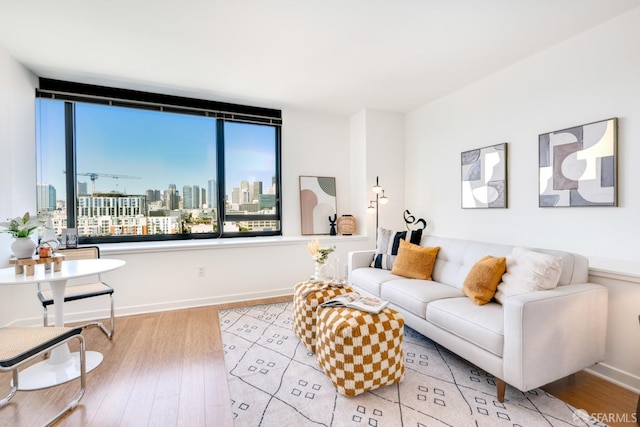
45,323
83,372
14,388
45,316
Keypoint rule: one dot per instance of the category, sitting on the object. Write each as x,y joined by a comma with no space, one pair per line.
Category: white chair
19,345
82,291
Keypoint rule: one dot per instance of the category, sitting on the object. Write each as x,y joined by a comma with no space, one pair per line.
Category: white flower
319,254
22,226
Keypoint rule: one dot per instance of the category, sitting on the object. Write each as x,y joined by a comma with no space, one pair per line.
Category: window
128,166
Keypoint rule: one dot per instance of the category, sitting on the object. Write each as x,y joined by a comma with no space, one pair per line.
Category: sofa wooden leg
501,387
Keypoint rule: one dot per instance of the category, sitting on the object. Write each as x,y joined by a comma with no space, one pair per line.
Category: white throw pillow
528,271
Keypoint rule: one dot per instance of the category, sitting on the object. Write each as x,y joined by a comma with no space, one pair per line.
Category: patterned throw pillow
388,244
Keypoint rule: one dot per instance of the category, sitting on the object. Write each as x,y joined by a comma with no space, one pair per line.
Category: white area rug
275,381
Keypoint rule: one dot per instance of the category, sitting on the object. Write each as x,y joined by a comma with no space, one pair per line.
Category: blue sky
160,148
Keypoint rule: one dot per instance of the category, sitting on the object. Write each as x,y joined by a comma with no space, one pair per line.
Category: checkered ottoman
307,296
360,351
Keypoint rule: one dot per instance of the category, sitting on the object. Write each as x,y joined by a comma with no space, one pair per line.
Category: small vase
23,247
324,272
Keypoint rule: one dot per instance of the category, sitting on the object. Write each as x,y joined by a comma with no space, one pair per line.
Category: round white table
62,365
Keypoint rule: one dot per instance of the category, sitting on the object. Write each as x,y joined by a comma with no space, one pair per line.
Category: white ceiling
337,56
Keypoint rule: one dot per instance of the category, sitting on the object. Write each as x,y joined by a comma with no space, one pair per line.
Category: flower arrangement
22,226
319,254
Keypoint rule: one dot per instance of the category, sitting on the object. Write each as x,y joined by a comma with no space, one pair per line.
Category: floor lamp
381,199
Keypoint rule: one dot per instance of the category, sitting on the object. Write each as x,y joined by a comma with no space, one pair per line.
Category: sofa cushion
483,279
481,325
388,242
456,257
529,271
414,261
370,279
414,294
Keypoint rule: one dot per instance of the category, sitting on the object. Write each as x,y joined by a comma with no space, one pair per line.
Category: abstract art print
484,177
578,165
317,203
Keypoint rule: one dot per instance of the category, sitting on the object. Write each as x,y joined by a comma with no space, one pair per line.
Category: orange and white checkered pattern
360,351
307,296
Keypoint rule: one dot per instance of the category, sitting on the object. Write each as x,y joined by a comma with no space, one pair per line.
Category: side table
307,296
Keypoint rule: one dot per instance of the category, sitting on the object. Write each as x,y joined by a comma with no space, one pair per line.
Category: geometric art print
578,165
317,204
484,177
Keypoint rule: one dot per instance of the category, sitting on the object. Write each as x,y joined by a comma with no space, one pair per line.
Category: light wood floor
167,369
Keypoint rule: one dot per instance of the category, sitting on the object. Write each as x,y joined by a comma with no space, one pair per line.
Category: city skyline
161,148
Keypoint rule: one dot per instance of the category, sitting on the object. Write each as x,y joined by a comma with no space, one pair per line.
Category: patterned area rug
275,381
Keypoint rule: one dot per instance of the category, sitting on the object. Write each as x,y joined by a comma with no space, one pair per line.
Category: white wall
591,77
18,169
161,277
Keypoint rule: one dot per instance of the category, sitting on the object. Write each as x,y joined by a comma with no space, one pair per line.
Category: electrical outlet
200,269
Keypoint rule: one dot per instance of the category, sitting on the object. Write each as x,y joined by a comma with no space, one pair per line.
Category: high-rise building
212,193
191,196
172,198
245,195
83,188
153,195
256,190
203,197
46,194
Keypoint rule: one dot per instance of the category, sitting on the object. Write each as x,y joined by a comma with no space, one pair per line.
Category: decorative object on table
44,250
578,165
347,225
49,236
323,271
484,177
380,200
317,202
70,237
21,228
332,224
31,262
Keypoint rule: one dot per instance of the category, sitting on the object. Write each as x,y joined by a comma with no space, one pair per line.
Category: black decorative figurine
332,223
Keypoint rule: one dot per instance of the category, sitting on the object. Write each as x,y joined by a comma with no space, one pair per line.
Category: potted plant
21,229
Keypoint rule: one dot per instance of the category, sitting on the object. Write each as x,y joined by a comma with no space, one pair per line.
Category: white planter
23,247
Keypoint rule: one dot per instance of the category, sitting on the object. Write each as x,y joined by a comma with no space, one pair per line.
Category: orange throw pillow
415,261
482,281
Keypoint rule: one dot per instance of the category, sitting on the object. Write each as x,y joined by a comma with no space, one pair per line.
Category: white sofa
530,340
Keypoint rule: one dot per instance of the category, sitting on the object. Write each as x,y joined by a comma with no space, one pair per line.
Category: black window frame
71,92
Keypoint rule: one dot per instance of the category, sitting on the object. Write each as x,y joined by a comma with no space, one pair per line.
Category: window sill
109,249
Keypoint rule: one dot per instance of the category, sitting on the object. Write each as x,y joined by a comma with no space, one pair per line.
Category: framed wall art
484,177
317,204
578,165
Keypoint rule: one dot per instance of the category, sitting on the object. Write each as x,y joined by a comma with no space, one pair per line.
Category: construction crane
94,175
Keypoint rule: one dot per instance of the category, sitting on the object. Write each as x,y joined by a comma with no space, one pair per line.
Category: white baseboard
154,308
616,376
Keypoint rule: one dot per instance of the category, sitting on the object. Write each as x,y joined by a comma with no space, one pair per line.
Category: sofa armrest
551,334
358,259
